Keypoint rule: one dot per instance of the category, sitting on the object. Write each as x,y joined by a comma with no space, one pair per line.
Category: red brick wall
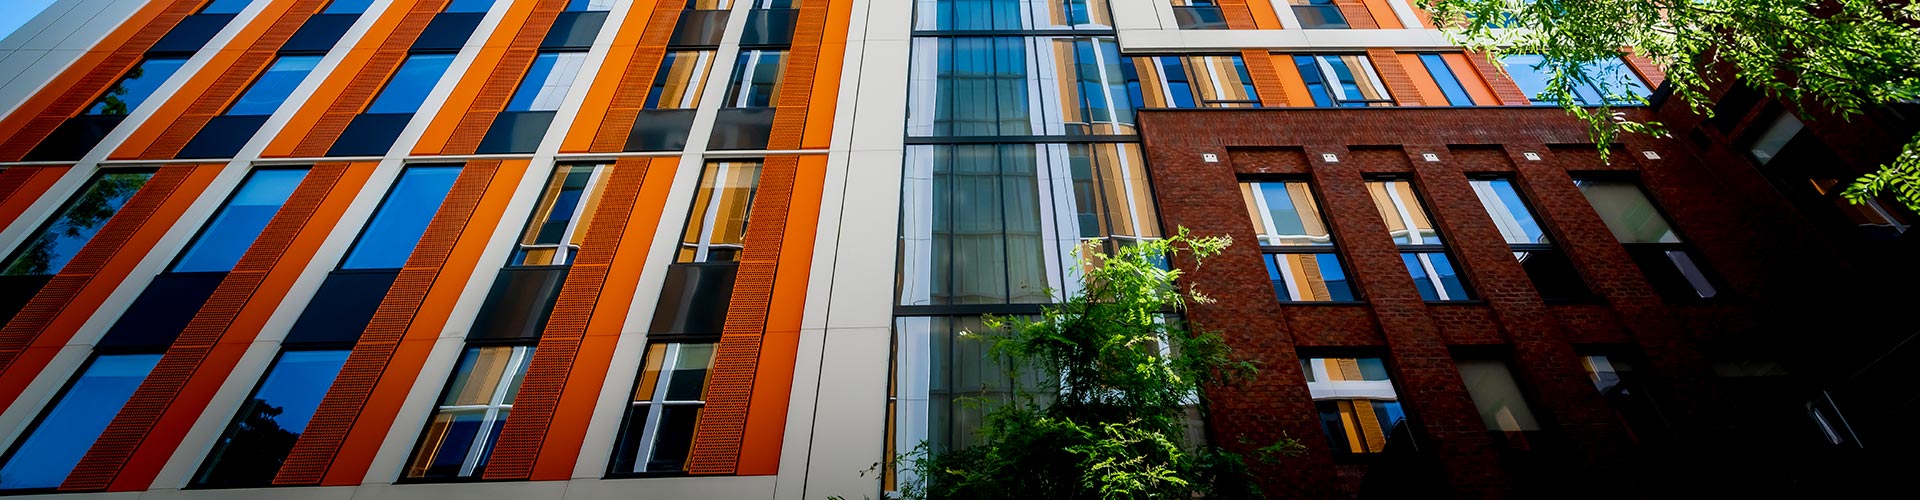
1419,339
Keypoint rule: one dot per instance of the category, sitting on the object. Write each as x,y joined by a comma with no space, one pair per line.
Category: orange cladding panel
21,187
1296,87
1416,70
1476,86
779,350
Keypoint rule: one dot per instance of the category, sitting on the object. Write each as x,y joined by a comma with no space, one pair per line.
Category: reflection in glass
1192,81
1535,77
717,225
547,81
460,436
664,409
395,229
559,222
1443,77
1414,232
134,88
48,451
1359,408
1285,214
756,79
274,86
1627,212
83,216
1308,277
232,231
251,451
1001,86
1005,15
409,85
999,224
682,76
1342,80
1319,14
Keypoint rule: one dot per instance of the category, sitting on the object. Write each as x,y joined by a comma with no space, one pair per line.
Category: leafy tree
1847,56
1111,424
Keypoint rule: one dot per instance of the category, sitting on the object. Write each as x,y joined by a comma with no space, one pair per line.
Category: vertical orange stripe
1358,17
21,187
1263,15
575,412
375,360
1297,94
826,81
1266,78
50,319
1476,87
185,409
1503,87
1430,92
773,382
1383,14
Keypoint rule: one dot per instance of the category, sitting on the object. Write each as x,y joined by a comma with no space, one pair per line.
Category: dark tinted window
234,228
136,86
76,224
396,227
756,79
250,452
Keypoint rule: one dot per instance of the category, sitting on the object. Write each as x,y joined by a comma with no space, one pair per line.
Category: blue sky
18,12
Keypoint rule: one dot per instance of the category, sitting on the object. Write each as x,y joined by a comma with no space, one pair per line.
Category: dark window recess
661,130
574,30
74,138
191,33
342,307
1734,107
448,31
701,28
518,305
1553,275
694,299
516,132
1199,17
370,134
223,136
770,27
320,33
742,128
15,291
1662,266
162,310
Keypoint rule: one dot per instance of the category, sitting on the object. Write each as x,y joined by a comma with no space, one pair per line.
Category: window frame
482,444
341,265
1423,251
1684,246
60,213
649,437
1269,252
1547,232
181,255
197,480
66,389
1340,451
1336,89
564,251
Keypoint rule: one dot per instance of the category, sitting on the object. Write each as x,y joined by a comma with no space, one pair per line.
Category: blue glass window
1535,77
262,434
65,432
756,78
409,85
1007,15
84,215
273,86
396,227
1319,14
225,6
136,86
468,6
589,5
347,7
1342,80
1443,76
234,228
547,81
1418,238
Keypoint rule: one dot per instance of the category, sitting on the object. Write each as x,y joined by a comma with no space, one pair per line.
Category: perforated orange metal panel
1266,78
1358,17
1503,86
61,290
505,78
110,452
367,83
313,453
11,179
637,81
93,81
232,81
1398,82
520,439
716,441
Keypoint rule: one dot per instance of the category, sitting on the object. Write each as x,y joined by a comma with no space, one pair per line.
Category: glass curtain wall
1022,150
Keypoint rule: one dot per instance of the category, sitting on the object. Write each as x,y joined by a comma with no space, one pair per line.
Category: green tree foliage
1847,56
1111,424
